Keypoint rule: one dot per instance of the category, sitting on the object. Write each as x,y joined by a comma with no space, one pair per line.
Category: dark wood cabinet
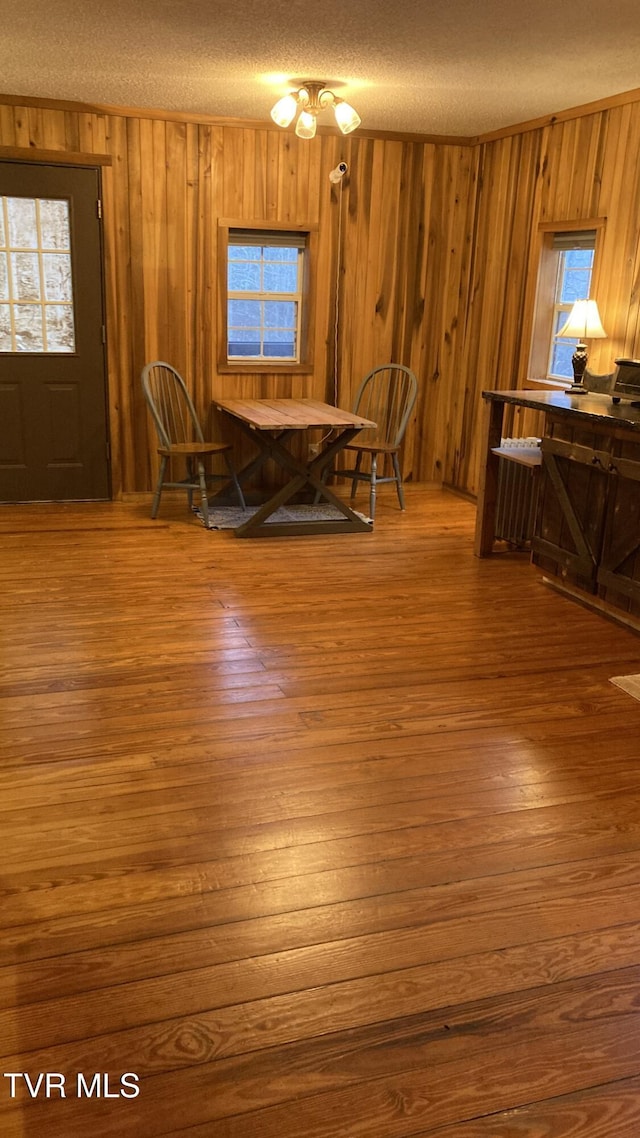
587,529
619,566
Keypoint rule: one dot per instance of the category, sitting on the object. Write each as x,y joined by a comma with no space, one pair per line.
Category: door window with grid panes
36,290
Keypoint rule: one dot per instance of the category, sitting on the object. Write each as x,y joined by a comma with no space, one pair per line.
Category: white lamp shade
584,322
284,110
306,125
346,117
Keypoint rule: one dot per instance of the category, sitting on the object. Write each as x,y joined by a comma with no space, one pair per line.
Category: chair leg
234,479
354,483
396,468
372,492
204,504
155,506
191,477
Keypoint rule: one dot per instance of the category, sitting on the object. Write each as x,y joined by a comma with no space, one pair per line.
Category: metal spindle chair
180,436
387,395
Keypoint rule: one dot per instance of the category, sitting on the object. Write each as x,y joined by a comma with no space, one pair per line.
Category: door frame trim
53,157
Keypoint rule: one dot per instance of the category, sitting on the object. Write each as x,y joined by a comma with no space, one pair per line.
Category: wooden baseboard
595,603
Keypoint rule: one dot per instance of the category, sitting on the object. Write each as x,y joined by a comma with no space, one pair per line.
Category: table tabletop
291,414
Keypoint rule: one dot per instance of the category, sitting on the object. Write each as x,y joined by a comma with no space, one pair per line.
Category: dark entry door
53,418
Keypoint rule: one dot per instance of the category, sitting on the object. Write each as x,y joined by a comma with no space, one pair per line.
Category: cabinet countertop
592,406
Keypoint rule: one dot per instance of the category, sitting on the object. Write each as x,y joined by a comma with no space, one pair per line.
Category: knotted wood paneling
398,216
427,251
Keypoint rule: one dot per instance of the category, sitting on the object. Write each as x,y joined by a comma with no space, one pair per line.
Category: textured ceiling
433,66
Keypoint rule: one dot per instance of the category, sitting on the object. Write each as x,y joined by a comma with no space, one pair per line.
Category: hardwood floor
327,837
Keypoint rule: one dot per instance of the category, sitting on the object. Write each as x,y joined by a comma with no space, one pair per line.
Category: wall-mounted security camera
338,174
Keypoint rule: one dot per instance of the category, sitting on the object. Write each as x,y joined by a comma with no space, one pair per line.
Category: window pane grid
251,339
36,308
573,283
263,322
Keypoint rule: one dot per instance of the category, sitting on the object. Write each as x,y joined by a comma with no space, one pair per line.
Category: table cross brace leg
303,474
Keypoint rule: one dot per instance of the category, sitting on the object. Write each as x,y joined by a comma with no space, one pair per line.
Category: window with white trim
265,284
573,281
566,270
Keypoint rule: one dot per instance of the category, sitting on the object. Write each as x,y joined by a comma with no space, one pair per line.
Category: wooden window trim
305,365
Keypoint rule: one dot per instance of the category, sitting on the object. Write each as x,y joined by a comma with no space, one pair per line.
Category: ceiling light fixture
311,98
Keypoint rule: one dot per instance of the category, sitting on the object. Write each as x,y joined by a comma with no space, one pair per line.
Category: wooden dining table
272,424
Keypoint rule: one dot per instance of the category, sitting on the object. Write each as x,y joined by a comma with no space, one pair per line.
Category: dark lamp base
579,363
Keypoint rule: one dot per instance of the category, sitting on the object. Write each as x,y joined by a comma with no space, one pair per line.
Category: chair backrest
172,409
387,395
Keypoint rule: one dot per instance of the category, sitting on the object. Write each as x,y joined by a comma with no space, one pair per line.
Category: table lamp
583,323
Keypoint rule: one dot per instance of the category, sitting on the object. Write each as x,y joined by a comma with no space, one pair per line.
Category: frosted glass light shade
346,117
284,110
584,322
306,125
310,100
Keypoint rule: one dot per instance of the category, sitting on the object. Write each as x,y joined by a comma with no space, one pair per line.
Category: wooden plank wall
582,168
432,248
169,183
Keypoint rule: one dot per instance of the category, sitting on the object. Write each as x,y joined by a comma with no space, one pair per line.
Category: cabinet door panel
619,570
571,507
